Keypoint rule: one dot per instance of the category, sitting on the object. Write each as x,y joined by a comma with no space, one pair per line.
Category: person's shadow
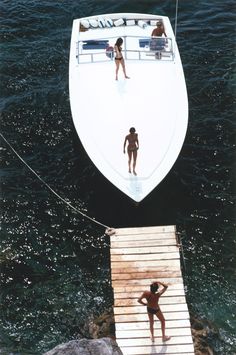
160,351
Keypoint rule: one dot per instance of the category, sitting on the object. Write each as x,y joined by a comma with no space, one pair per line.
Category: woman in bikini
152,298
119,58
132,149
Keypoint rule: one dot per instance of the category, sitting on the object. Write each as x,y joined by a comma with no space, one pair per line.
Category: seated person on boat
158,43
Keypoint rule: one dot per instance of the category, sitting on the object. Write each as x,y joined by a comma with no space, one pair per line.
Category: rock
102,346
197,324
202,330
102,326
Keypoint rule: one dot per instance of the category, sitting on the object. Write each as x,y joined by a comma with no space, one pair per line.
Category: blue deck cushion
144,42
102,44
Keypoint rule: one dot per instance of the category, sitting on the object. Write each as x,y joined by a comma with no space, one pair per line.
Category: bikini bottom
152,310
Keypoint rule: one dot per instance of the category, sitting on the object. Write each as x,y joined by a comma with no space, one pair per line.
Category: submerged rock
102,346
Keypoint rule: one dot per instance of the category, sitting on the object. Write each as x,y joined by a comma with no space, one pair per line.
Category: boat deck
140,256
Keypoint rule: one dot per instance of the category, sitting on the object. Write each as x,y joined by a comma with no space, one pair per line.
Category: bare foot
166,338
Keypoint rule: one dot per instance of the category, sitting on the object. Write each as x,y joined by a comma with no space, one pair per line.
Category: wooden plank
145,263
143,230
158,349
142,310
160,269
127,275
123,302
129,237
145,333
136,295
142,285
143,243
186,339
147,282
123,296
149,275
175,323
142,317
145,250
117,283
150,256
160,272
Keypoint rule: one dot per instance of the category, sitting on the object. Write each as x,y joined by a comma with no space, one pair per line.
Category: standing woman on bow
132,149
119,60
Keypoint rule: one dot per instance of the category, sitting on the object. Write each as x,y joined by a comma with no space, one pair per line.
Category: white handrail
100,51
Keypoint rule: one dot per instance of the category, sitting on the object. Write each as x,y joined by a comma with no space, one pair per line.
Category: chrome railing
134,48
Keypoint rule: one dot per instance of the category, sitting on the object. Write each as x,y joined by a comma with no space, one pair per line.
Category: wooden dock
140,256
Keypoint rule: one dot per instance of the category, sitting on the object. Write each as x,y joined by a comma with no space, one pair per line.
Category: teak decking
140,256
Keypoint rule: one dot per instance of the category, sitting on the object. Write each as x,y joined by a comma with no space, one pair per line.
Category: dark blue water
54,263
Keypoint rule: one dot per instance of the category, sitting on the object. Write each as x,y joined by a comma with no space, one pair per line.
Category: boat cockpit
138,44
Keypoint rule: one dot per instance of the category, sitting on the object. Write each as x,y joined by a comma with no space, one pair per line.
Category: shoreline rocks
100,338
201,331
101,326
103,346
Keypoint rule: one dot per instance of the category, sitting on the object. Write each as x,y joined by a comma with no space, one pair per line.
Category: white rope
108,229
176,17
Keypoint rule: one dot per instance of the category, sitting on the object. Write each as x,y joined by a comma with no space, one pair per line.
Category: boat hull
153,100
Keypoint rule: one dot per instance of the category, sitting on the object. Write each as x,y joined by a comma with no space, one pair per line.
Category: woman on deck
132,149
119,57
152,298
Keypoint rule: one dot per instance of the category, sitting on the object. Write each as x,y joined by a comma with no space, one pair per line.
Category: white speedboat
154,99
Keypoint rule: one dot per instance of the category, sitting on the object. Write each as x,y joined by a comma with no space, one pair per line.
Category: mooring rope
109,230
176,17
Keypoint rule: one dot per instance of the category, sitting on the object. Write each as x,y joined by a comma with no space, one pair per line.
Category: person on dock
132,149
152,298
119,60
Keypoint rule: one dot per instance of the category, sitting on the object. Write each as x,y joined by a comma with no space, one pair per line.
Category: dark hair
119,42
132,130
154,287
